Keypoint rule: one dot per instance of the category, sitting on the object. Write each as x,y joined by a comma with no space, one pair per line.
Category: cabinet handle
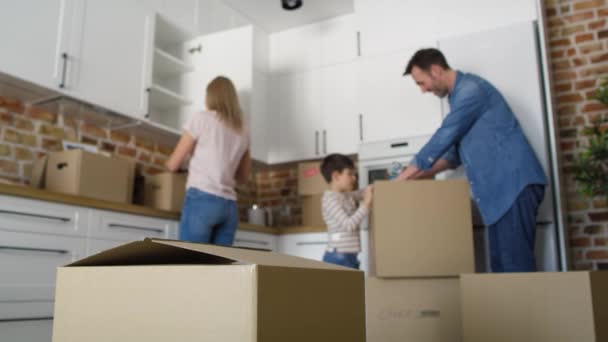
126,226
46,217
324,142
256,242
197,48
64,56
20,319
361,127
36,250
358,43
317,143
311,243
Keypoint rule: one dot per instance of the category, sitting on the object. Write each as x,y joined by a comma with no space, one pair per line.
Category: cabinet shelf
167,65
162,99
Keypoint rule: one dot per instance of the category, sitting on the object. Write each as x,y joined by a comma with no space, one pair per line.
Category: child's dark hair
335,162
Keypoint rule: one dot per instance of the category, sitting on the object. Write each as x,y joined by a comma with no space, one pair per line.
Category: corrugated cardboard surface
413,310
310,180
165,191
422,229
39,173
163,290
311,211
538,307
87,174
305,305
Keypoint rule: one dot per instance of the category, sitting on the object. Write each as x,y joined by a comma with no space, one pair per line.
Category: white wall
388,25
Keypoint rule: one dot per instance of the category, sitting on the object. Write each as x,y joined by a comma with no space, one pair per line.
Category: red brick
127,151
567,145
596,25
94,131
23,154
579,17
144,143
120,137
41,115
598,71
555,22
564,122
13,105
585,37
52,144
7,166
151,170
585,84
551,12
108,147
602,34
558,54
598,216
588,4
53,131
603,12
580,242
6,119
165,150
24,124
566,110
563,87
599,58
160,161
600,242
594,107
559,65
26,170
600,203
88,140
590,48
578,62
567,98
592,229
5,150
567,31
559,42
144,157
565,9
597,255
564,76
571,52
577,205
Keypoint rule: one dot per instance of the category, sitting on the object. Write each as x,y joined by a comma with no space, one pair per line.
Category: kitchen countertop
45,195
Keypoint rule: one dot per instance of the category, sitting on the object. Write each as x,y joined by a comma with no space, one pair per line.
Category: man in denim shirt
482,133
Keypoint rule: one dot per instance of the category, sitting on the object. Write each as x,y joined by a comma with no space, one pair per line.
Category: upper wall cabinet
315,45
35,34
181,13
391,105
391,25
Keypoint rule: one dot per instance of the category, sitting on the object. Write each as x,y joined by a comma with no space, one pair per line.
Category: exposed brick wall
28,133
578,39
277,188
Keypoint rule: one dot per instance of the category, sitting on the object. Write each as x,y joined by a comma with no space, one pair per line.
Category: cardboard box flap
149,252
250,256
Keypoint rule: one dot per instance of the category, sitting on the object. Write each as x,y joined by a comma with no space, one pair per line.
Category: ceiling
271,17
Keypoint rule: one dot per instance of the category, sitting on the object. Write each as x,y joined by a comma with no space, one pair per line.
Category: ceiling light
291,5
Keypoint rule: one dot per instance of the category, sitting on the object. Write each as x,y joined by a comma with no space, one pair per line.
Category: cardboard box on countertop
310,179
538,307
421,228
311,211
87,174
403,309
165,191
162,290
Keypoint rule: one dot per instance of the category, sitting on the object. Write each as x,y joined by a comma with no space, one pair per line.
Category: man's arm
412,172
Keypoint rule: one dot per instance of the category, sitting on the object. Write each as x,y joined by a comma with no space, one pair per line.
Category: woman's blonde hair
223,99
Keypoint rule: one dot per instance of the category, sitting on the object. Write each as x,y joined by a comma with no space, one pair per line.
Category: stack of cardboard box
421,241
311,186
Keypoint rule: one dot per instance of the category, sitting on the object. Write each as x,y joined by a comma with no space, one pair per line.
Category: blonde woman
218,144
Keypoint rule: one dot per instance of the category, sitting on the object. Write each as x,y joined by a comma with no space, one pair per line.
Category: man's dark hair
424,58
335,162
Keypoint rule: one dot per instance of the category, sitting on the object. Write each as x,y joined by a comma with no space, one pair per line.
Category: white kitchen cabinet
95,246
391,105
28,262
256,240
27,331
339,41
35,34
116,226
108,61
27,215
340,131
300,115
305,245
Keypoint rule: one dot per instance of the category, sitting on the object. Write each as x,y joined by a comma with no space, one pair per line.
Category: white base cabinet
27,331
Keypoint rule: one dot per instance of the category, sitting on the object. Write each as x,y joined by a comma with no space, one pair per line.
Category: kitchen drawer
124,227
308,245
28,264
27,331
21,215
249,239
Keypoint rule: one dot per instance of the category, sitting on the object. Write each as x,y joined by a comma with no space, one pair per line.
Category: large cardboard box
311,211
161,290
535,307
400,310
82,173
310,179
165,191
422,229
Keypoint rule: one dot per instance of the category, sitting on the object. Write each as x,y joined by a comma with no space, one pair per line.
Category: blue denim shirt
482,133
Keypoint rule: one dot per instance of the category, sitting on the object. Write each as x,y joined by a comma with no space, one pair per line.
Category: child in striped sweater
340,212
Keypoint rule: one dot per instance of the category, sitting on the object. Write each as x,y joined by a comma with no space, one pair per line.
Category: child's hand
368,193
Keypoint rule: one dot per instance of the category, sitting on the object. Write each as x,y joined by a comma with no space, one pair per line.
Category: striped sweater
342,217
